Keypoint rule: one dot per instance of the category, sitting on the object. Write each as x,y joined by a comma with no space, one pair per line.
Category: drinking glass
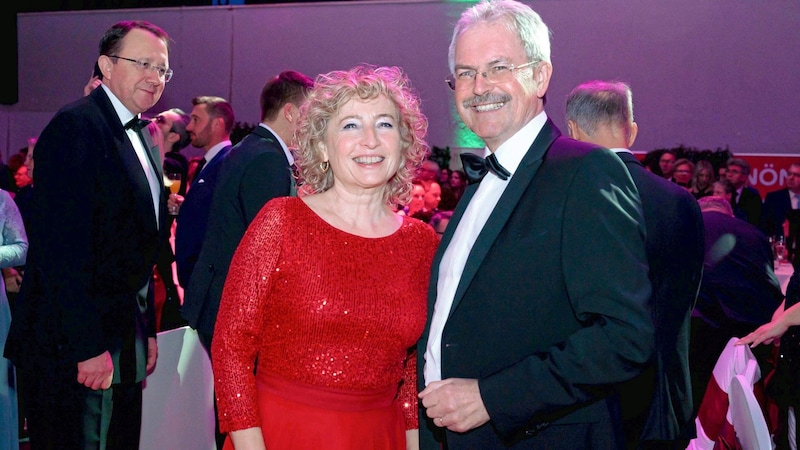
779,249
172,180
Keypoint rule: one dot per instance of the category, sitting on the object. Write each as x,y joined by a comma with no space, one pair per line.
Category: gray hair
601,103
740,163
517,17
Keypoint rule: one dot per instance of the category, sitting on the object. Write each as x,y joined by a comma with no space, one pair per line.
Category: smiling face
136,88
495,112
363,144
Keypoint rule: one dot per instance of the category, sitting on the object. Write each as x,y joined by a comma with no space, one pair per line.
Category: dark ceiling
75,5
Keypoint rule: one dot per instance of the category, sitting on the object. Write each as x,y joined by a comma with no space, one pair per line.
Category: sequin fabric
320,306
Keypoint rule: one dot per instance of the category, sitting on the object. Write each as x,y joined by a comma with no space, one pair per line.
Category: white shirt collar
286,151
510,153
212,152
122,112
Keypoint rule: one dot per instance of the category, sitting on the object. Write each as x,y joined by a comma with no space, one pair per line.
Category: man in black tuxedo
531,326
778,203
656,405
210,128
83,329
745,197
257,170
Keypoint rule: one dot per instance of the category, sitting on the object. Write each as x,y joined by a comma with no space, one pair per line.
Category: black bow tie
136,124
476,167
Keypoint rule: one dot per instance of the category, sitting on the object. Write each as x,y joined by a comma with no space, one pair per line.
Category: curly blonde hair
365,82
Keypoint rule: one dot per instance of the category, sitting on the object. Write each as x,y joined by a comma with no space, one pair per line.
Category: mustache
489,97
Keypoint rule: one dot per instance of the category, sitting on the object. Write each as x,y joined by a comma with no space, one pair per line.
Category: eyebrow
358,117
489,64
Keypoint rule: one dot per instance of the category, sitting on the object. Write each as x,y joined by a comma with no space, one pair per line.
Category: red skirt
299,416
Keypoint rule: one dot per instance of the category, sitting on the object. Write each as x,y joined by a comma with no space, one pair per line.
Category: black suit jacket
541,316
776,205
749,201
255,172
93,243
739,286
192,221
658,403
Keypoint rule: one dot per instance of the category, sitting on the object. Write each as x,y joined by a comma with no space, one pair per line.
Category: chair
746,414
178,397
730,417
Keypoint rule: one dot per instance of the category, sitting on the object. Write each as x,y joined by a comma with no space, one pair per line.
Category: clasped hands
455,404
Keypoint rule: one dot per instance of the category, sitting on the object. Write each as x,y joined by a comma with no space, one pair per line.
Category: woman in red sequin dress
326,295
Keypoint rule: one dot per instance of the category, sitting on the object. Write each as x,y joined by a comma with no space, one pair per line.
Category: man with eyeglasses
83,330
745,197
778,203
531,324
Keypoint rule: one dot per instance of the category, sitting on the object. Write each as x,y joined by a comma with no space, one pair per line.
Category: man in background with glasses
539,289
83,330
779,202
745,197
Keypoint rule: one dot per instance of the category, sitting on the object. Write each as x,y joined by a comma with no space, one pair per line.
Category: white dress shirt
156,185
480,207
289,156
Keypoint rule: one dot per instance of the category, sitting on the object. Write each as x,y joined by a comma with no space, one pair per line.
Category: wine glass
779,249
172,180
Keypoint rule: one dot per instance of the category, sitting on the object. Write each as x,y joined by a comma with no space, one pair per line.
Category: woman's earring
324,166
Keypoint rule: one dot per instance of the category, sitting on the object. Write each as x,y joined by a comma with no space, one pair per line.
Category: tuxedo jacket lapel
517,186
154,153
133,170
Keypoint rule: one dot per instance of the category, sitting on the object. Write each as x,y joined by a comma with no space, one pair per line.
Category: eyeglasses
163,72
793,174
499,73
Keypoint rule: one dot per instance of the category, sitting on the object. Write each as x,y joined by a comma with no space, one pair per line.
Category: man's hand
152,354
96,373
455,403
13,279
